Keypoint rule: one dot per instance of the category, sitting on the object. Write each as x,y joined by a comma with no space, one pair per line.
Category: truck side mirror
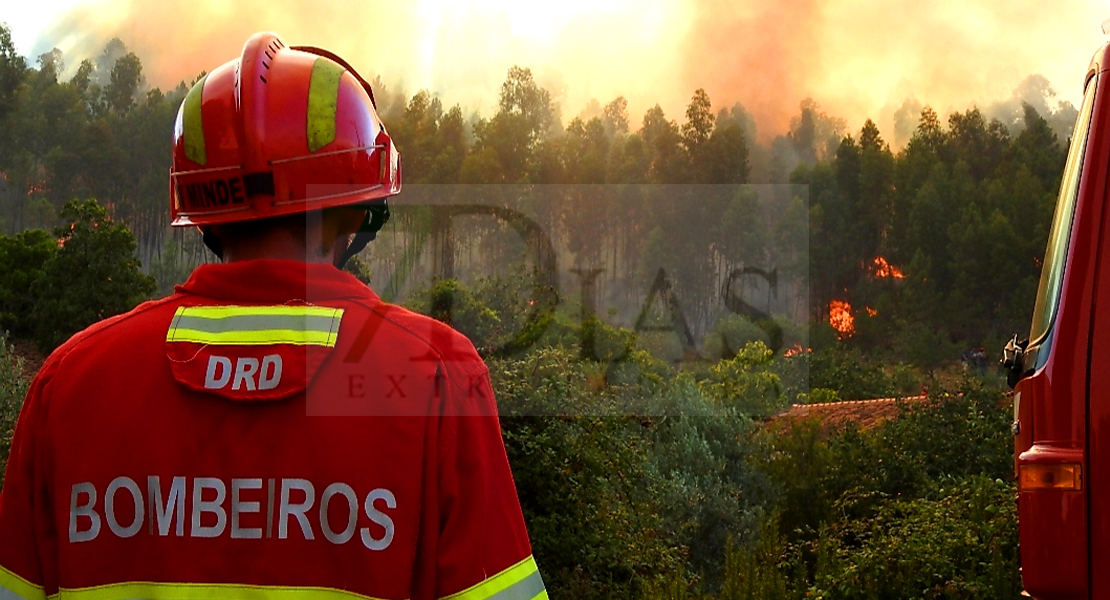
1013,359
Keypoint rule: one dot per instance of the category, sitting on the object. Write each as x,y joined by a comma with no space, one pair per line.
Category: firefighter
272,429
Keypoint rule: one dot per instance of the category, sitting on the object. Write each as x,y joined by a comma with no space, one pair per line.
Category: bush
685,496
710,492
22,258
453,303
93,276
846,371
583,479
920,470
746,382
898,459
959,541
500,316
729,336
658,469
13,388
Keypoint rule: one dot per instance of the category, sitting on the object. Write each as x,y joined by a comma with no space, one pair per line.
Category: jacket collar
275,282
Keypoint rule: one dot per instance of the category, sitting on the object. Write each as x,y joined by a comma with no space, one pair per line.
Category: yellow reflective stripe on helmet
192,125
204,591
256,325
323,102
521,581
14,587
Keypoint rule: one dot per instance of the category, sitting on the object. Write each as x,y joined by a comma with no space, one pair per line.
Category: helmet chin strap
376,216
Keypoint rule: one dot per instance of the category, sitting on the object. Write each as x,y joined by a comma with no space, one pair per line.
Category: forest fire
796,350
841,319
882,269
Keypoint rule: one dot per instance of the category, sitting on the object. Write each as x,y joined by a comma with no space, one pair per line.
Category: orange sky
857,58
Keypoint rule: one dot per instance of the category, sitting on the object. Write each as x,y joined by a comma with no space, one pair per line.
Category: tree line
961,213
688,494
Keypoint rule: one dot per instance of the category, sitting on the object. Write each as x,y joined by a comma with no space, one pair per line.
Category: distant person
272,429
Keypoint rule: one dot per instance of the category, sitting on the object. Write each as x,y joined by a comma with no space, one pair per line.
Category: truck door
1058,553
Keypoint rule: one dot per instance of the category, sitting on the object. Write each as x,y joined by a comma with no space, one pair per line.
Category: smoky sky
878,59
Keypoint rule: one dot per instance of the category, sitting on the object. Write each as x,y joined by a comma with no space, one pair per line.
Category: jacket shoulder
108,329
421,335
424,330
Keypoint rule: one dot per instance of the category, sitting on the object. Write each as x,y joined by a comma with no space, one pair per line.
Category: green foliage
12,68
455,304
898,459
94,275
708,492
757,571
746,383
958,541
604,343
500,316
730,334
358,267
849,374
920,498
658,469
13,388
578,469
22,260
634,475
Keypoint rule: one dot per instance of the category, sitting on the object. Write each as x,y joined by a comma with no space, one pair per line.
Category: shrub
22,258
658,469
746,382
850,484
501,316
846,371
729,336
583,479
709,491
13,387
958,541
93,276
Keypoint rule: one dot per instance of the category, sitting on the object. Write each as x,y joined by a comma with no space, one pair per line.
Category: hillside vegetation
638,439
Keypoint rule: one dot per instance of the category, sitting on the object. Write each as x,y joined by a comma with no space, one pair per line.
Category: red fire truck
1062,376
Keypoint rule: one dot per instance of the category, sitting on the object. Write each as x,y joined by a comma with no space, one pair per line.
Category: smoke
858,59
461,51
906,119
864,58
1036,92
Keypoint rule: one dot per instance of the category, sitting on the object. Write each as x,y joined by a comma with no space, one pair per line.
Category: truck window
1052,273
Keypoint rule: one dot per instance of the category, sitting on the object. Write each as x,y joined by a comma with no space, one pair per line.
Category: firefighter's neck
321,239
281,245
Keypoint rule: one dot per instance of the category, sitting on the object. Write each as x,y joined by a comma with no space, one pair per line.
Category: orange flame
871,312
841,319
883,269
795,350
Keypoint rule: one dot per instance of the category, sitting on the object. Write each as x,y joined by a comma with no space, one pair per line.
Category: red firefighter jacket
271,430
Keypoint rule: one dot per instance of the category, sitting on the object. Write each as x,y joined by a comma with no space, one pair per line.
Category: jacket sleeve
21,515
483,549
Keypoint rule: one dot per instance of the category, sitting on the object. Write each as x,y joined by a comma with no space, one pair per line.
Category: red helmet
280,130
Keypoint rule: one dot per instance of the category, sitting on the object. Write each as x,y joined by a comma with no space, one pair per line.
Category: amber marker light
1062,476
